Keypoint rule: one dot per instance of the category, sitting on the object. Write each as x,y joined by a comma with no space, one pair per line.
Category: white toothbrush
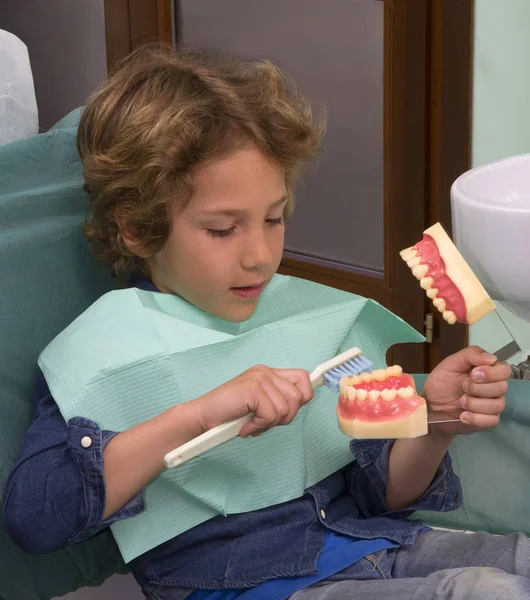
328,373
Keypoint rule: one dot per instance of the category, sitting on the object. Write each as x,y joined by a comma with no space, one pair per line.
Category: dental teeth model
380,405
447,278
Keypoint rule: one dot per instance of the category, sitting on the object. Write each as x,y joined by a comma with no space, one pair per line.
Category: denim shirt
55,496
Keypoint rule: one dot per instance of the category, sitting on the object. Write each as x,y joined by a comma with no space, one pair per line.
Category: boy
190,162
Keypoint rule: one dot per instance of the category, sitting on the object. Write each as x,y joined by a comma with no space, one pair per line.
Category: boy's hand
274,395
471,381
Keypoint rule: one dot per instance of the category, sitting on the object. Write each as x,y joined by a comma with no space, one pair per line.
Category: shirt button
86,442
322,513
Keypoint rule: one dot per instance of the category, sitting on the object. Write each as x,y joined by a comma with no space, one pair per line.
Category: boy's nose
257,252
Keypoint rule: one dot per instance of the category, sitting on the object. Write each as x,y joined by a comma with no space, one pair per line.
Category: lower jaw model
380,405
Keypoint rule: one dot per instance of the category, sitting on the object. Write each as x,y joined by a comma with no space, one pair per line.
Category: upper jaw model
447,278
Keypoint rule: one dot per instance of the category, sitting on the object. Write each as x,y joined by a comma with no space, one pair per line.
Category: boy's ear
130,237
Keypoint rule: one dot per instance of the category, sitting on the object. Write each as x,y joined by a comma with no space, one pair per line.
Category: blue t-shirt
338,553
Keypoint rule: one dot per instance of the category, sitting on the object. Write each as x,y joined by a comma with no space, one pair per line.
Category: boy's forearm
412,467
136,456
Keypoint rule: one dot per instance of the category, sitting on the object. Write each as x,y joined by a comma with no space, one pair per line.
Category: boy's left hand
471,381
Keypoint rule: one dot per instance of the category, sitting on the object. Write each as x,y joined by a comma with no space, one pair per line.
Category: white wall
501,110
501,85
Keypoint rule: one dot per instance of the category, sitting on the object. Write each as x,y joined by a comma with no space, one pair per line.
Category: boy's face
227,243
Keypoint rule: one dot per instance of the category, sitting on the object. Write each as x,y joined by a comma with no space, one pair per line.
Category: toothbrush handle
214,437
210,439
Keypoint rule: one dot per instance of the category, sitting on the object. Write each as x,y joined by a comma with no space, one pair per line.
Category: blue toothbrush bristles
354,366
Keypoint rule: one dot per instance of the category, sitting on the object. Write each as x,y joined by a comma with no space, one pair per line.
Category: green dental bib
134,354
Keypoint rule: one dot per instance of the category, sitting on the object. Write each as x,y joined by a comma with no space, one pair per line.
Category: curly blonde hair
161,115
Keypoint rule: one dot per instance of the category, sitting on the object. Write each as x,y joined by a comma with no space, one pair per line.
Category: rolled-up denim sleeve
367,480
55,494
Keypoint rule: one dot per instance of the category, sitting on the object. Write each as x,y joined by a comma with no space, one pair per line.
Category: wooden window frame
428,55
131,23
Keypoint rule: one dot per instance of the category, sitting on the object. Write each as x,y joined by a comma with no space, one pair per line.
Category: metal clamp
522,370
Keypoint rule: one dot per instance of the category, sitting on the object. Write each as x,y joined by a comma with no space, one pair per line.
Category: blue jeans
440,566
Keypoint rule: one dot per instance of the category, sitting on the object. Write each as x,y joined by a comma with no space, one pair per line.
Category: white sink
491,228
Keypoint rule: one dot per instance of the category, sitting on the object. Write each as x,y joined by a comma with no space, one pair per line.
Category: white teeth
419,271
439,303
394,371
450,317
379,375
345,384
432,293
350,393
362,395
373,395
388,395
426,282
406,392
408,253
414,262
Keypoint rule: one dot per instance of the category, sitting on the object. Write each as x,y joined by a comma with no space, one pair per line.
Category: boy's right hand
273,395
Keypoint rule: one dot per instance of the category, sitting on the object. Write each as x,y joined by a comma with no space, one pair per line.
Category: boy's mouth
249,292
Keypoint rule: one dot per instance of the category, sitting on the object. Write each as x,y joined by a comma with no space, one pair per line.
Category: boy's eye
221,232
227,232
